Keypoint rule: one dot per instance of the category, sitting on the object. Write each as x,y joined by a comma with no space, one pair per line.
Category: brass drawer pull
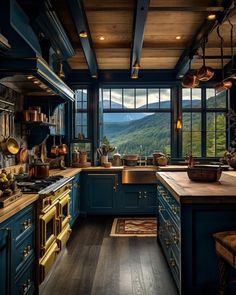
172,262
174,209
160,208
25,287
26,251
27,223
175,238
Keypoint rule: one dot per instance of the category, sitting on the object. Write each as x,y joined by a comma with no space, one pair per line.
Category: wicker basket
204,173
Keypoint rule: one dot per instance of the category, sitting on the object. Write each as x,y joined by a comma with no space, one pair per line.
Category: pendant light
225,84
204,73
190,80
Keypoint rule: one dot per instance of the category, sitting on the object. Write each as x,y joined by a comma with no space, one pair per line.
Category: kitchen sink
139,175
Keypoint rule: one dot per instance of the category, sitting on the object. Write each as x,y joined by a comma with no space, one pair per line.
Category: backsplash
11,102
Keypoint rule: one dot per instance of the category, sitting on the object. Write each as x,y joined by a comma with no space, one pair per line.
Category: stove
42,186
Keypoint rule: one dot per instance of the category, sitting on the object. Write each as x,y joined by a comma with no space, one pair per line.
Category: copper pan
62,148
54,147
205,73
190,80
223,85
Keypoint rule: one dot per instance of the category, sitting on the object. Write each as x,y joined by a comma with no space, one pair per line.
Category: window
135,117
204,122
81,114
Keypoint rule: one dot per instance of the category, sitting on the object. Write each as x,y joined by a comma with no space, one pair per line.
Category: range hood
32,77
23,68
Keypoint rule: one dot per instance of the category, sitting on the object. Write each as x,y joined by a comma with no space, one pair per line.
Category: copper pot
41,170
189,80
205,73
40,117
33,115
26,115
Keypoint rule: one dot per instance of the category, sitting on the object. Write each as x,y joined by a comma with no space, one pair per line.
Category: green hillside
153,132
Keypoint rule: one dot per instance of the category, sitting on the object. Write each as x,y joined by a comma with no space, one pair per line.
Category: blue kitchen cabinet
17,253
75,194
138,199
5,256
100,193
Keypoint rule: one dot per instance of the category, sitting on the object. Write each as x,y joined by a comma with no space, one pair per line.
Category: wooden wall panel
179,3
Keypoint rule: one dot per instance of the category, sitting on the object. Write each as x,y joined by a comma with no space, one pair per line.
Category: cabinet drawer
172,235
23,252
23,224
24,285
63,237
169,202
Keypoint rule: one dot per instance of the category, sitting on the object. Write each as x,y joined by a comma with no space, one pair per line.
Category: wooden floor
97,264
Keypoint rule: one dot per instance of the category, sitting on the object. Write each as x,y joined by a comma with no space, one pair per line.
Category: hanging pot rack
225,84
190,80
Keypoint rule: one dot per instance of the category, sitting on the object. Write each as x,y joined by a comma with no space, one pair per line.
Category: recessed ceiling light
36,82
101,38
30,77
211,16
178,37
94,76
83,34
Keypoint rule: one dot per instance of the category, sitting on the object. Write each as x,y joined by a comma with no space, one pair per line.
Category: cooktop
41,186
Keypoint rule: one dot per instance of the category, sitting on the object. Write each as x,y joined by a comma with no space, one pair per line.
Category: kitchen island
188,214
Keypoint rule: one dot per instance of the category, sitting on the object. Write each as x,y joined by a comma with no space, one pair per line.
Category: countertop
24,201
68,172
186,191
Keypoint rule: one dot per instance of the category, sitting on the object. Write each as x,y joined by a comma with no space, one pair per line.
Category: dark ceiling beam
81,25
139,27
163,9
205,29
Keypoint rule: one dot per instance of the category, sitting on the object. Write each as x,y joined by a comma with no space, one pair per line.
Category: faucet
140,154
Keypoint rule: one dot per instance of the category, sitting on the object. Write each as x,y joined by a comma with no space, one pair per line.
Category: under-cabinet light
211,16
83,34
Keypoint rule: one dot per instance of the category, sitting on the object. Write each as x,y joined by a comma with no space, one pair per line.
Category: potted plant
104,150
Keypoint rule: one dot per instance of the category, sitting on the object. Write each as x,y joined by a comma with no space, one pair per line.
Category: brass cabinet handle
167,243
27,223
114,188
69,230
57,250
145,195
25,287
172,262
26,251
161,208
175,238
140,195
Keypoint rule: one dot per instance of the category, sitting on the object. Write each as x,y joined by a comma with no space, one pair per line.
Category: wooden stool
225,243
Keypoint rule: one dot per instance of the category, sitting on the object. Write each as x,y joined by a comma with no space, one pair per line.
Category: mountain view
127,131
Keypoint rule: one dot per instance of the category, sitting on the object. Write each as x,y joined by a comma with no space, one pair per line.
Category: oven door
64,211
47,229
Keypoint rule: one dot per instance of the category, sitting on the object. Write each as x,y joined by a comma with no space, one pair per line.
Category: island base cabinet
185,232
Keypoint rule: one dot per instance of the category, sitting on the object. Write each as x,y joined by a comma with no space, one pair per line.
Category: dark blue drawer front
23,223
24,284
24,251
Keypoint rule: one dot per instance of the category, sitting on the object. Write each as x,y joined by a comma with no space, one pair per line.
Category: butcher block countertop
24,201
68,172
186,191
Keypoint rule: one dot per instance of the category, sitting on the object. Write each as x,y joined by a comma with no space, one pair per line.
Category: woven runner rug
134,227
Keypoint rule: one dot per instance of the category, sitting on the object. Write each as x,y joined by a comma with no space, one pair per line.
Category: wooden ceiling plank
81,24
139,27
205,29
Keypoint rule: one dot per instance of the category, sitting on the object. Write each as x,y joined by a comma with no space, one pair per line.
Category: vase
103,159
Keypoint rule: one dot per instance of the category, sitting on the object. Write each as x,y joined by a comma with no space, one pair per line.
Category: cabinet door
100,193
131,200
74,202
5,250
150,201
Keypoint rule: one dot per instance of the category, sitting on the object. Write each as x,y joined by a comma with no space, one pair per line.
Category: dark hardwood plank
97,264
